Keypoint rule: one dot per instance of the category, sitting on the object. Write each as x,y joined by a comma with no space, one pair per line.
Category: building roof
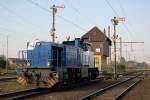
96,35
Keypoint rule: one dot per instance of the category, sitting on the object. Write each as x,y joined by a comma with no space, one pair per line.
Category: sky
28,20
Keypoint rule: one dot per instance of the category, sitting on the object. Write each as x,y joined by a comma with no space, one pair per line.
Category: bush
121,68
2,62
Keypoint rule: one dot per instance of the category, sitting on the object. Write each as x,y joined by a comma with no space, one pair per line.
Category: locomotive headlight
28,63
49,63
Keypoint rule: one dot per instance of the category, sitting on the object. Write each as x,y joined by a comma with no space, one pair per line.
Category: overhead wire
8,31
111,7
38,5
24,20
124,13
125,26
68,21
122,8
79,12
61,17
115,12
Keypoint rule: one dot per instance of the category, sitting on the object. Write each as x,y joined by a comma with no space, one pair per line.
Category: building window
97,50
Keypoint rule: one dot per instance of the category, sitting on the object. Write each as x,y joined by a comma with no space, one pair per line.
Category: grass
9,86
137,68
10,72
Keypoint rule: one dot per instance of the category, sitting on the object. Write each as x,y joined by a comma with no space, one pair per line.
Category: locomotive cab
43,62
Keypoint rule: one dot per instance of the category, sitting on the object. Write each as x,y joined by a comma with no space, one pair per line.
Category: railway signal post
115,22
54,11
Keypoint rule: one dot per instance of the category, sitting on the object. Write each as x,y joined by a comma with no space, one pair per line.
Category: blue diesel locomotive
48,64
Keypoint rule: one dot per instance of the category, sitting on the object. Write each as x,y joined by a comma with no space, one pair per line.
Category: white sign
98,50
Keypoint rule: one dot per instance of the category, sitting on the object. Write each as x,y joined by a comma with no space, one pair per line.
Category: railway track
21,95
40,91
79,91
109,92
119,97
7,78
125,74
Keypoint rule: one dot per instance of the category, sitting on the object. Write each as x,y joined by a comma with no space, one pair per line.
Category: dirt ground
140,92
75,93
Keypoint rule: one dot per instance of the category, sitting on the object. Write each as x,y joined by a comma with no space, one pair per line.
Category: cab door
57,55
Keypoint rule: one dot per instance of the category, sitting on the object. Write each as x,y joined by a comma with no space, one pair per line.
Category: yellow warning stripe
56,79
50,83
22,81
18,80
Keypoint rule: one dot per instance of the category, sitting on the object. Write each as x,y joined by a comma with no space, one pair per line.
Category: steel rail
101,91
22,94
7,78
125,92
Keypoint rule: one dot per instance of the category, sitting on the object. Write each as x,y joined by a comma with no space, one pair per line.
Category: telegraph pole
109,46
7,57
115,22
3,49
54,11
126,51
120,48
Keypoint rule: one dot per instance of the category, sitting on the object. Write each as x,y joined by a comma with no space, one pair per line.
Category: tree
122,60
142,64
2,61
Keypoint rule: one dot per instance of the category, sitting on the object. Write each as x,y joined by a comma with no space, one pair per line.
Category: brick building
100,44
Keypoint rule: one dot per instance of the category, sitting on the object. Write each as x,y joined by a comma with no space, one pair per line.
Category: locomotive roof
49,43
